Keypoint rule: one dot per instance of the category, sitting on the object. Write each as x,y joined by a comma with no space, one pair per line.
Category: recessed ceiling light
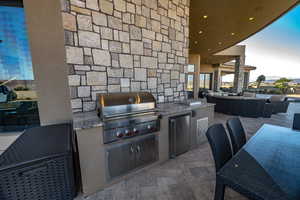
208,49
220,43
251,18
196,42
232,33
205,16
200,32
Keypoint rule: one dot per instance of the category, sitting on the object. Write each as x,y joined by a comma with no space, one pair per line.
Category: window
190,77
205,81
190,82
191,68
18,99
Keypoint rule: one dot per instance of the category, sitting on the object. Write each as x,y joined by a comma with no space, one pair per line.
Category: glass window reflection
18,99
205,81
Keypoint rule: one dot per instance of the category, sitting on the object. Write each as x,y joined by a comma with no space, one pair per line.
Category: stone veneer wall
125,45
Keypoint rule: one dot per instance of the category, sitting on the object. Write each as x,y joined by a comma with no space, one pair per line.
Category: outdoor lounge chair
241,106
279,103
296,122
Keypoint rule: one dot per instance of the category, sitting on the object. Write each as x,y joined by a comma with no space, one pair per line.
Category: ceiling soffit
219,24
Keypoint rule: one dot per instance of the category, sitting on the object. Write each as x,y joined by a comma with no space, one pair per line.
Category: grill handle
173,132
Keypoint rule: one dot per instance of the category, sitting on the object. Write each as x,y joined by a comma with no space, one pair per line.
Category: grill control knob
149,127
119,134
135,130
127,132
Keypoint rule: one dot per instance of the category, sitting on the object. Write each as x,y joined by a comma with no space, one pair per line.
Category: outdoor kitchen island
94,154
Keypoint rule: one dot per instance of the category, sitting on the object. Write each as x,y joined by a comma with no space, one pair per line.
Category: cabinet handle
138,149
194,113
173,132
131,149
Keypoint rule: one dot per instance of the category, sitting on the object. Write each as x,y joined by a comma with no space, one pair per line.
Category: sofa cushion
249,94
277,98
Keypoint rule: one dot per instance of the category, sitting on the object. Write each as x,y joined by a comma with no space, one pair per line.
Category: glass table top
268,166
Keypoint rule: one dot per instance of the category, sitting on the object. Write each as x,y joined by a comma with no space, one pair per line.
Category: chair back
219,144
296,122
249,94
237,134
277,98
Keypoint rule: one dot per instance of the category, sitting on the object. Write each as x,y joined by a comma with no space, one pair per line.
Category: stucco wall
206,68
125,45
47,45
195,59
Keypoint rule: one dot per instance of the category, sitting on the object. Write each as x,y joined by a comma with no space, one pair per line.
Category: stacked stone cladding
125,45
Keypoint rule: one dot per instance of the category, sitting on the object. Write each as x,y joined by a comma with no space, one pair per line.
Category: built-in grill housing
127,115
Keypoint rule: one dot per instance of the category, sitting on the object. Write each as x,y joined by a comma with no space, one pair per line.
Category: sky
275,50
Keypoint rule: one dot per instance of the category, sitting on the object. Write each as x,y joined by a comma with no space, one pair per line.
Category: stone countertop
86,120
173,108
91,120
237,97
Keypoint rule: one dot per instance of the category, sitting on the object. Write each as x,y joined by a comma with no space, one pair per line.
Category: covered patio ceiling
216,25
217,59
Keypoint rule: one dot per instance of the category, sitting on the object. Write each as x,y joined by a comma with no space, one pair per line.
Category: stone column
238,75
195,59
217,78
246,80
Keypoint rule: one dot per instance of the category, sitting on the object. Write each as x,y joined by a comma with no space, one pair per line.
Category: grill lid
119,104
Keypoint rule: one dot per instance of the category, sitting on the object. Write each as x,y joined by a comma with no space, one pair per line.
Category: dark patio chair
237,134
210,99
280,104
296,122
221,150
268,110
190,94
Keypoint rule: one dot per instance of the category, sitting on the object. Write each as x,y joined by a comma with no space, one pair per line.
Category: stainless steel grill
127,115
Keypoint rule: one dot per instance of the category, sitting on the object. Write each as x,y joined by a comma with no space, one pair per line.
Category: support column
217,79
195,60
246,80
47,44
238,75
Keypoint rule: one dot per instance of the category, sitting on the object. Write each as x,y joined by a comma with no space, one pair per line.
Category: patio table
267,167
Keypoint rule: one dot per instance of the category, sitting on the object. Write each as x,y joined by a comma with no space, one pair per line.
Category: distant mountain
269,80
272,79
297,80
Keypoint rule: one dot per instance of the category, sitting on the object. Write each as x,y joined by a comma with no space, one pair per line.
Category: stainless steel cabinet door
179,135
120,159
146,150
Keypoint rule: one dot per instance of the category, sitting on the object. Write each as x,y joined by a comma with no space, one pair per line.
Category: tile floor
6,139
190,176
